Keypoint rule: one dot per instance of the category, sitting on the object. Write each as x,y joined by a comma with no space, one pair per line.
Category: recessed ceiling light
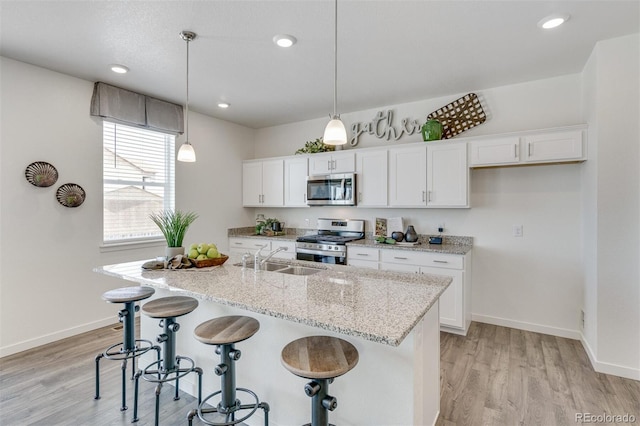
284,40
553,21
223,105
120,69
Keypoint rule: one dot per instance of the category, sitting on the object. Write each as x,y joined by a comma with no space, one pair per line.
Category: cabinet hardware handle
529,148
399,258
328,164
429,195
359,197
361,254
440,261
424,194
238,243
305,197
515,150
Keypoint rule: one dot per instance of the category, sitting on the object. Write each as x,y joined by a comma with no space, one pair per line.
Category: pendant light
186,152
335,133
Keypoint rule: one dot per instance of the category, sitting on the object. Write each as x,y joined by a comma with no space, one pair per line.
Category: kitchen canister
432,130
410,235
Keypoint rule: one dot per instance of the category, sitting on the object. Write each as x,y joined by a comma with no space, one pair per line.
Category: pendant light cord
187,119
335,62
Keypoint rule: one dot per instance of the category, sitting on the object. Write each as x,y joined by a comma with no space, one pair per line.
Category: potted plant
173,224
312,147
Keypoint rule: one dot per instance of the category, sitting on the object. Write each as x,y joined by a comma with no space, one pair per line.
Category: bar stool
167,369
225,332
321,359
130,347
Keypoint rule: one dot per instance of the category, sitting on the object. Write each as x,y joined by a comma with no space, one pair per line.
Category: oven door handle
321,252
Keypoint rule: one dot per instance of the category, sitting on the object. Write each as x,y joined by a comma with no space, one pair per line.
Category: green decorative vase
432,130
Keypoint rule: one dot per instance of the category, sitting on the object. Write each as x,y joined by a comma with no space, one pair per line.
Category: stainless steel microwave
332,190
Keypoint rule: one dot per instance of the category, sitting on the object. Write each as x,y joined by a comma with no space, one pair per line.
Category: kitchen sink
284,268
299,270
269,266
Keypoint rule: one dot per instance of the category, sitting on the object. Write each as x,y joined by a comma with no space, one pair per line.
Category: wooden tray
460,115
216,261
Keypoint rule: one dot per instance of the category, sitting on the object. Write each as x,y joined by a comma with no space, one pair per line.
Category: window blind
138,179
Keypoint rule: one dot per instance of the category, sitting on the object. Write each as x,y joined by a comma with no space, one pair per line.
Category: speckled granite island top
379,306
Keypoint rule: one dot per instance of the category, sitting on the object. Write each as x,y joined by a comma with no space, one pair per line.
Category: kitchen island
391,318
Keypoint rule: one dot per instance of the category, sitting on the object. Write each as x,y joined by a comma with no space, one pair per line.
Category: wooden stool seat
128,294
226,330
169,307
319,357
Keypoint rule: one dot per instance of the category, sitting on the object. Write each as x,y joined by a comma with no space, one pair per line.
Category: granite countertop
446,248
379,306
451,244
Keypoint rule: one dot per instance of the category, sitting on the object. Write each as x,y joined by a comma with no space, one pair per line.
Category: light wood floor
494,376
503,376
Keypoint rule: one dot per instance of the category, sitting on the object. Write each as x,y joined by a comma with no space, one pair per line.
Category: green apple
193,253
201,257
193,246
203,248
212,252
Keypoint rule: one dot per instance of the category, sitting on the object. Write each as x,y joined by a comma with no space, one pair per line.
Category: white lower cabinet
241,246
455,302
363,257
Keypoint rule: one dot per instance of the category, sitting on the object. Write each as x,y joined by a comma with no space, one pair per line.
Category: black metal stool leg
98,358
176,396
158,390
124,385
135,397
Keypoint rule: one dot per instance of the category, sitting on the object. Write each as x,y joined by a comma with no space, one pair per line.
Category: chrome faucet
256,258
258,262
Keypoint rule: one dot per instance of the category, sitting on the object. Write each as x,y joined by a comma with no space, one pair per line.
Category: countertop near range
379,306
450,245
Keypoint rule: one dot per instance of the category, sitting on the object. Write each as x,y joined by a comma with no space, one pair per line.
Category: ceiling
389,52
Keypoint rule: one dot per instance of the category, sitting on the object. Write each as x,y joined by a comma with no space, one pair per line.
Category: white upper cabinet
552,147
534,148
336,162
295,182
372,178
408,176
494,152
447,175
263,183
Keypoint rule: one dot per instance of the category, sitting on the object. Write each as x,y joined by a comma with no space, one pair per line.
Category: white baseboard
52,337
608,368
520,325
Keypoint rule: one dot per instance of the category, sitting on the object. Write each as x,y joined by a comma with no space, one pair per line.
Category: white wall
612,205
47,287
534,282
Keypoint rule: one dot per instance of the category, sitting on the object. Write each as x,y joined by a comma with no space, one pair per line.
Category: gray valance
125,106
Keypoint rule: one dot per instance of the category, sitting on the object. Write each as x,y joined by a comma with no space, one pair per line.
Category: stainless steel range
328,245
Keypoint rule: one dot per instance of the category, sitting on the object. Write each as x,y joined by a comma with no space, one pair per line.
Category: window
138,171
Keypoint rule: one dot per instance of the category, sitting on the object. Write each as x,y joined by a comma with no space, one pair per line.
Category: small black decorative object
70,195
410,235
397,235
40,173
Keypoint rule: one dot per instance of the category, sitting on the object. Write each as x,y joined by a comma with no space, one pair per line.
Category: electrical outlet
307,223
517,231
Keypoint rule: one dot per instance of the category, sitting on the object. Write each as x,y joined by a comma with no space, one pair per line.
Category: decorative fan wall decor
70,195
40,173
